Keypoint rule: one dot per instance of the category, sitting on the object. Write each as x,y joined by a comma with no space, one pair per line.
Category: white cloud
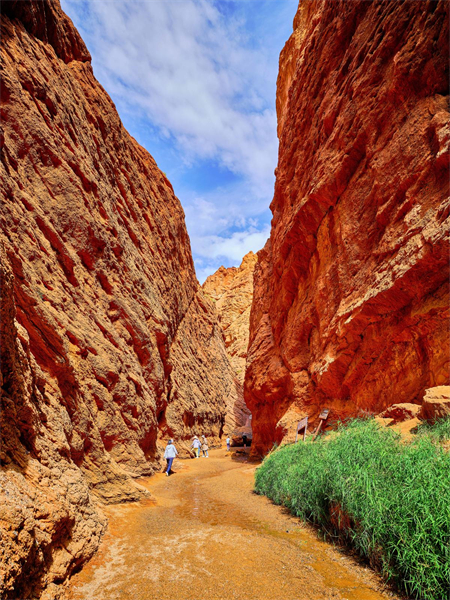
226,224
202,74
189,69
235,246
230,249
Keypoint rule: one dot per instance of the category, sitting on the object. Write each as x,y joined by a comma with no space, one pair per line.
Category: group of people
200,445
171,452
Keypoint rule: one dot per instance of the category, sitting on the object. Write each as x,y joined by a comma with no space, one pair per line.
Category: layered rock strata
231,289
350,307
108,342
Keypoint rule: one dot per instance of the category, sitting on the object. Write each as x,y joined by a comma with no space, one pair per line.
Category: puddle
206,535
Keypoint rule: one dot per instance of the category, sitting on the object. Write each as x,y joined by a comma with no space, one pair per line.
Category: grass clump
437,432
389,500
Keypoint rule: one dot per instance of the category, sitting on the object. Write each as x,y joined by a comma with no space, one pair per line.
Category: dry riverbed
206,536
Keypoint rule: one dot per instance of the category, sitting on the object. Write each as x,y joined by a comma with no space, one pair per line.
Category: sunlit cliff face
351,291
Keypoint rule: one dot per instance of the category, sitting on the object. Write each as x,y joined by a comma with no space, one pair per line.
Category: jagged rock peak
232,290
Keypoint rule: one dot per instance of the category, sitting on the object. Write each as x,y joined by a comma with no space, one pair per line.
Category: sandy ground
206,536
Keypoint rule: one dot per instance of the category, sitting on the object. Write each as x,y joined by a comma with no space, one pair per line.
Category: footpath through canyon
205,534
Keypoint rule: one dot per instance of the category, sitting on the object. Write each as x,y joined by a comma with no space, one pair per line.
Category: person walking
228,442
169,454
205,446
196,445
244,439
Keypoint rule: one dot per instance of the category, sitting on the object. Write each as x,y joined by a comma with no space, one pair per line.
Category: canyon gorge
350,308
109,345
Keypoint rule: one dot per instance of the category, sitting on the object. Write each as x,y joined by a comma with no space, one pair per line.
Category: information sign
302,426
322,417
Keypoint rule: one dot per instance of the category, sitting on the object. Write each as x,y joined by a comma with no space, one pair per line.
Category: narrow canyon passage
204,534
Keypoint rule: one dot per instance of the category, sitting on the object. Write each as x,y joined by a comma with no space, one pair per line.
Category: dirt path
206,536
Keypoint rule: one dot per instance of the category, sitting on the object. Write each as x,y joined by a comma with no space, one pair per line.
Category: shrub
390,500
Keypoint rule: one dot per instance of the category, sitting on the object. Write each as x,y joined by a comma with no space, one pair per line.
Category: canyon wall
108,343
232,292
350,308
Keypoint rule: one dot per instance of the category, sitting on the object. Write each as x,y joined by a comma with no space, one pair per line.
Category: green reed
391,500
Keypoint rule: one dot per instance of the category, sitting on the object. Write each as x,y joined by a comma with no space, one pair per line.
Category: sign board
324,414
322,417
302,425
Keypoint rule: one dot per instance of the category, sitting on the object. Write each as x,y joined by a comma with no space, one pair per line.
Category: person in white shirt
196,445
205,447
169,454
228,443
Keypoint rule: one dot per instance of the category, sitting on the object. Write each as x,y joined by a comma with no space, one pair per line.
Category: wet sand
206,536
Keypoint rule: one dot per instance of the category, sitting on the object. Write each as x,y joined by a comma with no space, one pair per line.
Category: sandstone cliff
232,291
350,303
108,342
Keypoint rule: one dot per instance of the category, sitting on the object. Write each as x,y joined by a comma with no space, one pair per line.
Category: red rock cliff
350,304
108,342
232,291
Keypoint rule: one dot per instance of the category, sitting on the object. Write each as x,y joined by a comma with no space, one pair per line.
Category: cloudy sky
194,82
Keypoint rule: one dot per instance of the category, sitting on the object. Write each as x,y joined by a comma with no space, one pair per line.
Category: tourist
196,445
228,443
244,439
169,454
205,447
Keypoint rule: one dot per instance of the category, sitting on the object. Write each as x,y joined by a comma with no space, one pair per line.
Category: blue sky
194,82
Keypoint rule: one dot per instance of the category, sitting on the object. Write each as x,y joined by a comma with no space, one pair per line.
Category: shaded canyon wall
108,342
231,289
350,306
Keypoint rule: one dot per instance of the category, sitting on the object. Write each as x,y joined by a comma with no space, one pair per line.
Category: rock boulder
436,404
401,412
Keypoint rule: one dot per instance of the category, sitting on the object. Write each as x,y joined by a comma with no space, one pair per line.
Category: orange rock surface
400,412
436,404
350,306
108,342
232,291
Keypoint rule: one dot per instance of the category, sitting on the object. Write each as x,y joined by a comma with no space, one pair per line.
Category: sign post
322,418
302,426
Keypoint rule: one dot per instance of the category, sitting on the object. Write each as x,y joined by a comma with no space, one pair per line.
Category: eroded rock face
436,404
231,289
350,304
48,520
108,342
